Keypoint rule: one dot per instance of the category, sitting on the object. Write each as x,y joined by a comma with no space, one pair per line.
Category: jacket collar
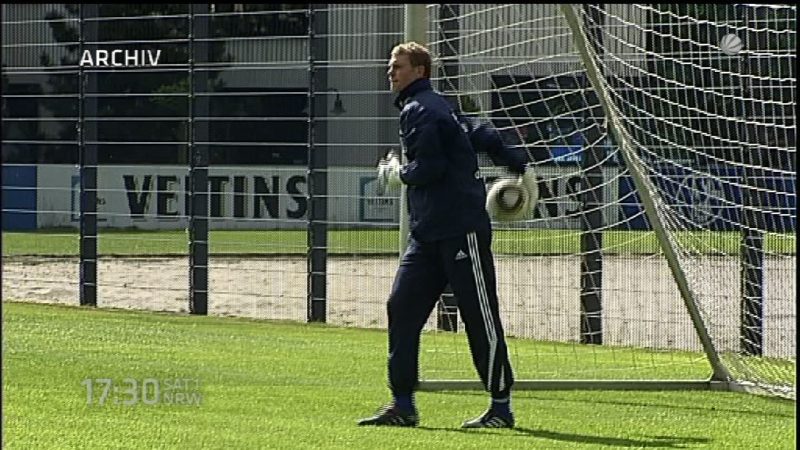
416,86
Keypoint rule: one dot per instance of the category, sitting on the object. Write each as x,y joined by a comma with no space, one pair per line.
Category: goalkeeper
450,239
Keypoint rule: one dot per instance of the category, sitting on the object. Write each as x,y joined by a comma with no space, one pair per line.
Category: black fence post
592,202
447,307
317,230
198,160
752,234
87,160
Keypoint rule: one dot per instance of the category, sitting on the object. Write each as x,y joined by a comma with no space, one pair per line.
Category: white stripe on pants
486,311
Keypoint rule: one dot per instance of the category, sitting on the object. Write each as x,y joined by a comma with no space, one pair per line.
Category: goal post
415,24
642,184
662,252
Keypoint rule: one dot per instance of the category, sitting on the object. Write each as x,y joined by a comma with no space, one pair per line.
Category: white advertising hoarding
156,197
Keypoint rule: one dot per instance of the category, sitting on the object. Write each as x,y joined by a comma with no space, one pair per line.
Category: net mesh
710,120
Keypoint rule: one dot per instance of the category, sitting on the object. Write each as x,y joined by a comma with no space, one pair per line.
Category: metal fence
199,118
245,137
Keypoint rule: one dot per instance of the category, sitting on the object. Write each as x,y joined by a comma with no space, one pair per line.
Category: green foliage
172,103
133,27
281,19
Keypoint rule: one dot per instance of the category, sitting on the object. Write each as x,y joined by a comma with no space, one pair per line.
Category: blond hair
418,55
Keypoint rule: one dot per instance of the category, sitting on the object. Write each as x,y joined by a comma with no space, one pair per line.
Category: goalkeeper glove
389,172
512,199
528,179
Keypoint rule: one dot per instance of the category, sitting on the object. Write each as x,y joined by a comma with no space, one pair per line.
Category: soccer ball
731,44
510,196
510,200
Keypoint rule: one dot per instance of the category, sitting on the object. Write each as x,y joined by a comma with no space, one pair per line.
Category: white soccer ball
510,197
731,44
509,200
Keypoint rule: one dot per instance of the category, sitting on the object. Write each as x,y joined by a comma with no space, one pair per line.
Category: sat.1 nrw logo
120,58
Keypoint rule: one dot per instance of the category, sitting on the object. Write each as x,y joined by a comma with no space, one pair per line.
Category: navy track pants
466,262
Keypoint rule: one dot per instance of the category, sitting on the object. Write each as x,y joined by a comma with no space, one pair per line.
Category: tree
130,27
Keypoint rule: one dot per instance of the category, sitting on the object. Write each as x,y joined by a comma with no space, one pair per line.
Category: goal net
662,249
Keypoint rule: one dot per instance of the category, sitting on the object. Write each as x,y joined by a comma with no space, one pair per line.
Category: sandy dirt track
539,296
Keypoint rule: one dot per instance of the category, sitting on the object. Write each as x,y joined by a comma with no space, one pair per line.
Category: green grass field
268,384
535,241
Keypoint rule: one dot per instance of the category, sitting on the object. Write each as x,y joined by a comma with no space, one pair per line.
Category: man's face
401,74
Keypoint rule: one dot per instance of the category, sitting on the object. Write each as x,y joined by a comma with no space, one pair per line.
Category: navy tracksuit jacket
450,237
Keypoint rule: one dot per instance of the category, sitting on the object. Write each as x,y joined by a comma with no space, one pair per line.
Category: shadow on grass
647,441
657,404
713,409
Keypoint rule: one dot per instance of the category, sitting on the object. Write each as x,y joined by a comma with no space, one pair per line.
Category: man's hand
389,172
